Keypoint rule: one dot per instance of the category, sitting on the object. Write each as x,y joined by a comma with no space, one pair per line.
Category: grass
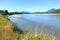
7,33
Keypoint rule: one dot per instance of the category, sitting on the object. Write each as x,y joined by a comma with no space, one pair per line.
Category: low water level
38,23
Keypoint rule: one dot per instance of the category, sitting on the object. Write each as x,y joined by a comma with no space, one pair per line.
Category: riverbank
7,32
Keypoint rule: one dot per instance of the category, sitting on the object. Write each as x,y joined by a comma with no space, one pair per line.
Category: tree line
5,12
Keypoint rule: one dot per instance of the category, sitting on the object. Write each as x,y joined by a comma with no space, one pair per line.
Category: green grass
7,33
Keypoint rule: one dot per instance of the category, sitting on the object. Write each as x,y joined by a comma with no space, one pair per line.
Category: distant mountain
56,11
51,10
24,12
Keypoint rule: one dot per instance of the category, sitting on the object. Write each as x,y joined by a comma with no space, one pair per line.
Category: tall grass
27,36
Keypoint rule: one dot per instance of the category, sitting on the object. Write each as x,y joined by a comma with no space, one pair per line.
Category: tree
1,11
6,12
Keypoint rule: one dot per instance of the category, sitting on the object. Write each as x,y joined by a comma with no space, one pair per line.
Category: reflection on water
38,23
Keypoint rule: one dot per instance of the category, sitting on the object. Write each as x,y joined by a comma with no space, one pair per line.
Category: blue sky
29,5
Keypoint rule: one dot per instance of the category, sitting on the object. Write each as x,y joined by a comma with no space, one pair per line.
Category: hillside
56,11
6,29
4,23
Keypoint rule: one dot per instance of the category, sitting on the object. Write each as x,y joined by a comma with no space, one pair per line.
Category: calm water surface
38,23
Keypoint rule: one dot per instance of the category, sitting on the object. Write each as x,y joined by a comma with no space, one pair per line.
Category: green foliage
4,12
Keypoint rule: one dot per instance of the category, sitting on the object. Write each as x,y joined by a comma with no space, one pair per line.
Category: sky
29,5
